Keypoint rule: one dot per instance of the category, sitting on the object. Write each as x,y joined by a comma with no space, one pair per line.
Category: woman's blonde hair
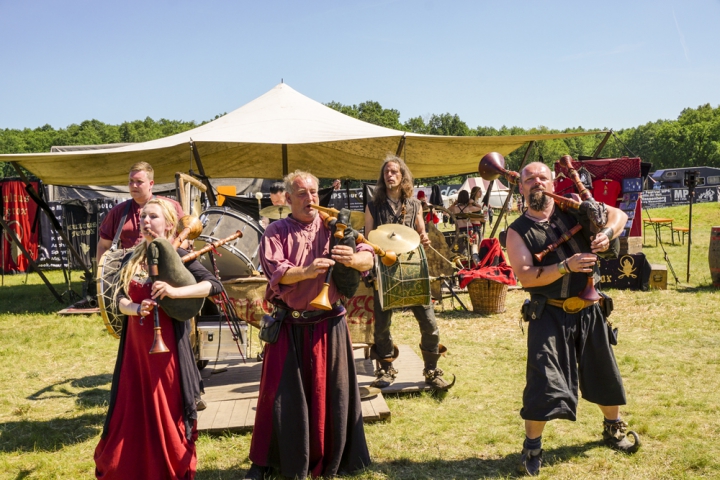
139,255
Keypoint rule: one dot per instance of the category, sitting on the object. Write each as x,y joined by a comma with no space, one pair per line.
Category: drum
238,258
406,283
108,283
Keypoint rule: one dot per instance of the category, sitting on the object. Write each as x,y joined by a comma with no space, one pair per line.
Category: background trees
693,139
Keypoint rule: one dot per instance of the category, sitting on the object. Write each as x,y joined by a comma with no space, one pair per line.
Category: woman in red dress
150,429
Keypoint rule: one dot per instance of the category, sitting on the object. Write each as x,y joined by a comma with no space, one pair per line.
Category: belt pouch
270,326
533,308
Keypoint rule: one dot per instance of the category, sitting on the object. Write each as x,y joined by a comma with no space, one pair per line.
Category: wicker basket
487,296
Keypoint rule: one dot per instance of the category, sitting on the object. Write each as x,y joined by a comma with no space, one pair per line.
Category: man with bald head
569,339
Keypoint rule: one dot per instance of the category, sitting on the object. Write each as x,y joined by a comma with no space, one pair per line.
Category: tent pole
284,159
511,191
31,261
347,192
401,146
210,194
600,147
46,208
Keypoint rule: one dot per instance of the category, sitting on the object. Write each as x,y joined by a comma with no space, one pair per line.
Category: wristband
563,268
608,232
139,308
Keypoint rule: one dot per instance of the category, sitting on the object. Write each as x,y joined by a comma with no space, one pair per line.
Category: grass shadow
31,298
473,468
91,396
48,435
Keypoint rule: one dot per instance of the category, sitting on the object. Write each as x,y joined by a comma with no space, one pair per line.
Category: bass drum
108,283
238,258
405,283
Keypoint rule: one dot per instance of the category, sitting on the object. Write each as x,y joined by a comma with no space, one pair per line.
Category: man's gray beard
537,201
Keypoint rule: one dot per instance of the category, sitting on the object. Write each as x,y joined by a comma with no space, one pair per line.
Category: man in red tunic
140,183
309,419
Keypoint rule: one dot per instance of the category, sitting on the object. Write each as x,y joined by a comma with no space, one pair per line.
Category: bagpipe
346,279
164,264
594,215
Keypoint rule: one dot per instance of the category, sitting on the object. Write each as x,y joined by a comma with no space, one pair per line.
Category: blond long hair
139,255
406,184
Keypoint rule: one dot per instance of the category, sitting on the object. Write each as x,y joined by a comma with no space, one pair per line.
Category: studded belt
297,314
572,304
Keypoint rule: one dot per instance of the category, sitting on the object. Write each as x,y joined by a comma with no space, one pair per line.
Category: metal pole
31,261
46,208
600,147
285,165
691,193
510,192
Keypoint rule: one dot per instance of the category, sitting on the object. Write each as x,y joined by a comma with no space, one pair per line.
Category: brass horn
492,166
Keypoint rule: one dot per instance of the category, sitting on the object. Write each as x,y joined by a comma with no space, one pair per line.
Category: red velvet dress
146,434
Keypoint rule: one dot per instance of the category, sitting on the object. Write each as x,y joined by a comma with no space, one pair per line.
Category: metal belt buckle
295,314
573,304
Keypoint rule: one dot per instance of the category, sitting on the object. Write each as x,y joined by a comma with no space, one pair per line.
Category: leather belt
307,313
572,304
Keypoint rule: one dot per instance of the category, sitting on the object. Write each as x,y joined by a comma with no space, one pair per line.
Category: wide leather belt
308,313
570,305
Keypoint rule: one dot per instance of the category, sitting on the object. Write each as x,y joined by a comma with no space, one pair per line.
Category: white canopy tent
277,132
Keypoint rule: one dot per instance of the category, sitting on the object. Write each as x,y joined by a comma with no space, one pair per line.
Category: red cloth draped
19,212
146,437
492,265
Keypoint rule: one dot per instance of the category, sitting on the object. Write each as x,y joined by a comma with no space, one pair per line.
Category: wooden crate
658,276
630,245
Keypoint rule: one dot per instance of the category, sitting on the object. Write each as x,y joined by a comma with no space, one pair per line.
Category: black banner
81,219
629,272
52,253
668,197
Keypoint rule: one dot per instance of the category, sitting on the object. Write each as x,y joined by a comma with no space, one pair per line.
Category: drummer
393,202
277,197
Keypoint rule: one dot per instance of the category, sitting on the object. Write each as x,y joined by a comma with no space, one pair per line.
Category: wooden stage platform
231,393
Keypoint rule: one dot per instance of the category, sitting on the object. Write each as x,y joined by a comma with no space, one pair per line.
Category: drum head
108,283
238,258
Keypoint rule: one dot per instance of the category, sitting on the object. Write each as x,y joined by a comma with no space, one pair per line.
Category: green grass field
56,374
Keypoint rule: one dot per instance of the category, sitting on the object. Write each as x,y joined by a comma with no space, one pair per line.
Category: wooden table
657,223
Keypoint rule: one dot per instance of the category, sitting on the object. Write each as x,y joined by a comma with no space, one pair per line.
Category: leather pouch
270,326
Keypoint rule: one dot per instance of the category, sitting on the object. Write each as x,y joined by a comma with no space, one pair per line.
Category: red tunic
146,435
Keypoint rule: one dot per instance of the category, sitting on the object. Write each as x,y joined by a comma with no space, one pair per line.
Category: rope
441,256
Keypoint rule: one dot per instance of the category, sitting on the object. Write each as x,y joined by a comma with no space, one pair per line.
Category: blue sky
559,64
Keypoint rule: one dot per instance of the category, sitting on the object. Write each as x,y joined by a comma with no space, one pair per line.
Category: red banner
19,213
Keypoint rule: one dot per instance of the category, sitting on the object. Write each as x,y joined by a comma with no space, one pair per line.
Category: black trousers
425,316
566,352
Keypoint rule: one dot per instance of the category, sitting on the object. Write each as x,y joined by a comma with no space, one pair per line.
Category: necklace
142,273
394,204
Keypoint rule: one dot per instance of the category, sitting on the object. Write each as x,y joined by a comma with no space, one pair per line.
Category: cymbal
275,212
395,238
469,216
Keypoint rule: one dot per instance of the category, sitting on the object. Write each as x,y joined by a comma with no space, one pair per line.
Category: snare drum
406,283
238,258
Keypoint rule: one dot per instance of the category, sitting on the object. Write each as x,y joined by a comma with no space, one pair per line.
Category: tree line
693,139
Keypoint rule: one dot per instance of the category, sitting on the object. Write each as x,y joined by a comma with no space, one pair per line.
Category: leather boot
431,372
385,373
616,434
